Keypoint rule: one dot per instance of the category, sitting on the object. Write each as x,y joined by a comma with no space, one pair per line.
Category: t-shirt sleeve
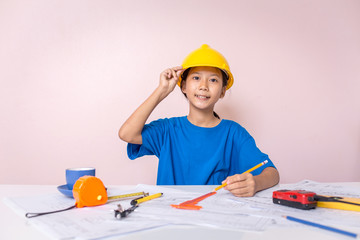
251,155
153,135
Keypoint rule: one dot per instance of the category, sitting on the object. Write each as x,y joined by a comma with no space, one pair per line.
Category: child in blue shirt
199,148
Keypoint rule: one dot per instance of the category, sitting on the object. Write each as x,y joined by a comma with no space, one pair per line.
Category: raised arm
130,131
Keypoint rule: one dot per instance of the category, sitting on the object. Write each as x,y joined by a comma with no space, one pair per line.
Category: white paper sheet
221,210
261,204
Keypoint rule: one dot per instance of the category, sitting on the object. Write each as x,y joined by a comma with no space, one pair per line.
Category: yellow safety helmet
206,56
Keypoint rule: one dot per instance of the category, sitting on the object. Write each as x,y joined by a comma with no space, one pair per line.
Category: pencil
350,234
144,199
250,170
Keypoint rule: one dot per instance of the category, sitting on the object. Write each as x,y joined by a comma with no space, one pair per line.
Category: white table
13,226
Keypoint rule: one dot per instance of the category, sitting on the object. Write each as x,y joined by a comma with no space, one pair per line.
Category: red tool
295,198
308,200
191,204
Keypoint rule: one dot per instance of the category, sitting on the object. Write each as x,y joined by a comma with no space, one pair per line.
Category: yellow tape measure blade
128,195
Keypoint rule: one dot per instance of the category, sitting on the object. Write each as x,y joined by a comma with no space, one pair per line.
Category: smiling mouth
202,97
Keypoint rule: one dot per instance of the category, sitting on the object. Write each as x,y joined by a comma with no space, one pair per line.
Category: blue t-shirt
192,155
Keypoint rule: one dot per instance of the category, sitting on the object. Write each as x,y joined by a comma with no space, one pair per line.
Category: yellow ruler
343,203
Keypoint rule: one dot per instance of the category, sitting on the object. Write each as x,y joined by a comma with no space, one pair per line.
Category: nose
203,84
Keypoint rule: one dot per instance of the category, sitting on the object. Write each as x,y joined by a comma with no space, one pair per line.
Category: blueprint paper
222,210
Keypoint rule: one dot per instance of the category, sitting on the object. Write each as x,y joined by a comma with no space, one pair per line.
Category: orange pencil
250,170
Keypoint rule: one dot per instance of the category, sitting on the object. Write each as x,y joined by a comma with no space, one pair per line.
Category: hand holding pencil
241,185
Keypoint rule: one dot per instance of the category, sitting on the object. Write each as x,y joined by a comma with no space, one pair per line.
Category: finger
246,191
173,73
236,186
177,68
179,72
165,72
235,178
240,181
168,73
243,194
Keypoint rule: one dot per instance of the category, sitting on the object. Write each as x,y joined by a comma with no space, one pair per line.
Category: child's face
204,87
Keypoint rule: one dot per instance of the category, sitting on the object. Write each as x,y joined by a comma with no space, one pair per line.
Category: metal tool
121,213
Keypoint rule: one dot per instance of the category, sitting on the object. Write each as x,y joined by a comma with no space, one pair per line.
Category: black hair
225,78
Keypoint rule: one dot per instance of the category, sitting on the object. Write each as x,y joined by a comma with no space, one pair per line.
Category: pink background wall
73,71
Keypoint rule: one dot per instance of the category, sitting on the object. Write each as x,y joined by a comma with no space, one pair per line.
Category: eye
196,78
213,80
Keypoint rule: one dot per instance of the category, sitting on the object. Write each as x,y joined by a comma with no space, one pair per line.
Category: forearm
130,131
268,178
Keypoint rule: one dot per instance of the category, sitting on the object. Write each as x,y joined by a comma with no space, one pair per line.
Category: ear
183,87
223,92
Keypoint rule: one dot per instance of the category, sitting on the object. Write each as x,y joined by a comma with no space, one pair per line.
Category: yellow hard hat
206,56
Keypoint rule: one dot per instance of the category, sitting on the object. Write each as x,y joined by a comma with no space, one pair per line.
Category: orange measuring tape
88,191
